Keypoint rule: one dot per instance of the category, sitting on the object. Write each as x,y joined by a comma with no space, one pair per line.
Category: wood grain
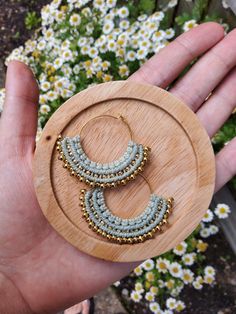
181,165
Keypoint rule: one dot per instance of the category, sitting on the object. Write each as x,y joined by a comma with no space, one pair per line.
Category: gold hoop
146,180
120,117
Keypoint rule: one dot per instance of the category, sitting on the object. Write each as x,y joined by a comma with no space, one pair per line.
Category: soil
220,299
13,32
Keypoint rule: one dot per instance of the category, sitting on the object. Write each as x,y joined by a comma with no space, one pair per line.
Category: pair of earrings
110,175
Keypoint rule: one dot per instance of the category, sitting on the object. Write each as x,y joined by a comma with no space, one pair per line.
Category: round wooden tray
182,165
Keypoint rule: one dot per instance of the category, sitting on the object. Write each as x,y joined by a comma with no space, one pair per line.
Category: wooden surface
181,165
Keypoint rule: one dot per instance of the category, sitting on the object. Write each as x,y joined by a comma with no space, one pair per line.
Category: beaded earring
100,175
124,231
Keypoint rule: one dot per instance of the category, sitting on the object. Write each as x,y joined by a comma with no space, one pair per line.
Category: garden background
73,44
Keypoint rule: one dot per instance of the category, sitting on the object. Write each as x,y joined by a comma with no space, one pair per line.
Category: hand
40,271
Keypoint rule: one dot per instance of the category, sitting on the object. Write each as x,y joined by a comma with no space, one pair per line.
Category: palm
49,273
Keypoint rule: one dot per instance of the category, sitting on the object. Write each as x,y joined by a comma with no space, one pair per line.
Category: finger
205,75
19,118
165,66
216,110
225,164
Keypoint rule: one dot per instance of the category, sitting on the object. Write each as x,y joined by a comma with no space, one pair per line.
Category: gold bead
123,182
92,184
145,159
107,185
58,148
119,240
81,179
82,191
113,184
140,238
165,221
60,157
157,228
135,172
108,237
82,204
87,181
132,177
170,200
95,228
72,173
59,137
140,169
104,234
130,240
91,224
142,164
85,215
102,185
81,198
149,235
65,166
99,231
165,216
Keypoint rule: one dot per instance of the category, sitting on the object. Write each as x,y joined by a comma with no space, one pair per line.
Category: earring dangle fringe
124,231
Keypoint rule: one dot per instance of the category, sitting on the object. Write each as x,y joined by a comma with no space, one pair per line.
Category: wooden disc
182,165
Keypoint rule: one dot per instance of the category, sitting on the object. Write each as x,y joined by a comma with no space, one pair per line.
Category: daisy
205,232
131,55
139,287
189,25
123,12
48,34
171,303
124,24
150,276
208,216
154,307
75,19
84,50
105,65
222,211
111,3
44,109
107,78
175,270
93,52
67,55
135,296
124,71
188,259
201,246
41,45
160,283
209,279
42,99
82,41
66,93
45,86
170,284
58,63
108,27
149,297
197,285
209,270
141,54
187,276
159,15
162,265
180,306
59,16
213,229
138,271
51,95
111,45
170,33
158,35
154,290
180,249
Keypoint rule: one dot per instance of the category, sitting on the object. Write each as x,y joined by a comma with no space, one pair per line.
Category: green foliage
146,6
199,9
32,20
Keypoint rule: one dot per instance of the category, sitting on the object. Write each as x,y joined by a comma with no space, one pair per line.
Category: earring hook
120,117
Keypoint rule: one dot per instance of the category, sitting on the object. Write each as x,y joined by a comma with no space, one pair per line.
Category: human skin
39,271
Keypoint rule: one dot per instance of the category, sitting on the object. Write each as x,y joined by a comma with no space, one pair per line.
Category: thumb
19,117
